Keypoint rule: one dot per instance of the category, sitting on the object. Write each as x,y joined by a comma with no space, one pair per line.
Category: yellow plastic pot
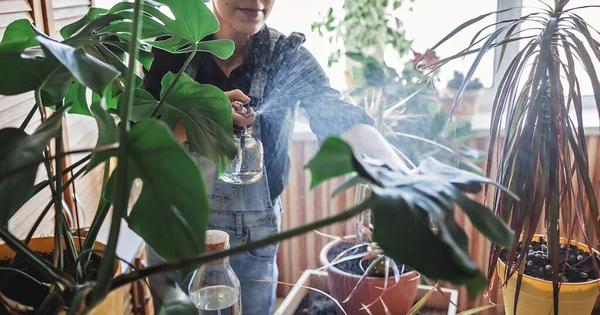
112,304
535,297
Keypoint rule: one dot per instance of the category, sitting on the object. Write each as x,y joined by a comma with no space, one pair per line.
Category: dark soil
28,292
579,268
353,266
319,304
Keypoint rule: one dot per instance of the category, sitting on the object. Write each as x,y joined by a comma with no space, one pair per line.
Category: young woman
277,76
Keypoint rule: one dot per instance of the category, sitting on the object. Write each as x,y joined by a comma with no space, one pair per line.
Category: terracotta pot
466,108
112,304
536,296
398,299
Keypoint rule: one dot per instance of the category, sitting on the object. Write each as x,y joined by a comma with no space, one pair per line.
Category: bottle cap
215,241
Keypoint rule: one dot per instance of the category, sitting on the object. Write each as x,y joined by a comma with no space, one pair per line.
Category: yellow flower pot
535,297
112,304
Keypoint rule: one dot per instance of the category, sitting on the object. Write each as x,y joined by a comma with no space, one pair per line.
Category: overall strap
263,60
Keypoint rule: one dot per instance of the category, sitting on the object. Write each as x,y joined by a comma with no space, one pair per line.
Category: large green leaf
334,159
108,133
143,105
71,29
176,302
467,181
191,22
22,152
171,213
206,112
402,214
77,99
22,71
87,69
24,66
23,32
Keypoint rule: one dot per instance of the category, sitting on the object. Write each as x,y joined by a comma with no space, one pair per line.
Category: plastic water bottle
214,288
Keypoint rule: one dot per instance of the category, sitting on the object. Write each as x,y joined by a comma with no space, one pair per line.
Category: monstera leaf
23,66
108,133
403,204
191,22
206,111
30,61
20,156
171,213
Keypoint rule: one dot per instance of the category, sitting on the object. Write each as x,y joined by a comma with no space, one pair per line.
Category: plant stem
41,185
196,261
50,158
101,213
58,259
179,74
57,256
99,216
122,195
28,118
26,275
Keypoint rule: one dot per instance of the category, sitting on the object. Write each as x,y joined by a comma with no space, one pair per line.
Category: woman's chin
249,28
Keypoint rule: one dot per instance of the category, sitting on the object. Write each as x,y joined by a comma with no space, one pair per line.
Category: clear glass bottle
247,166
214,288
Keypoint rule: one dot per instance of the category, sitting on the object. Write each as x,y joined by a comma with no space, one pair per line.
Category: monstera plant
62,75
85,74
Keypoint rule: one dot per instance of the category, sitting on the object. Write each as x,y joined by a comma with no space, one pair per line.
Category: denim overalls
247,214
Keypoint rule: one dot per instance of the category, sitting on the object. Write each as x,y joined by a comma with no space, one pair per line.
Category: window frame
512,49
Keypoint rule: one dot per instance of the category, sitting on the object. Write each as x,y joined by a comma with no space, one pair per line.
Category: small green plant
457,81
408,116
367,27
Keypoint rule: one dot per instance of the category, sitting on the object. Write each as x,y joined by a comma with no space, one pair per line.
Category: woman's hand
236,97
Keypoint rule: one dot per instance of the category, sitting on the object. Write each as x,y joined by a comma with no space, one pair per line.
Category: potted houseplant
430,223
470,97
542,157
361,276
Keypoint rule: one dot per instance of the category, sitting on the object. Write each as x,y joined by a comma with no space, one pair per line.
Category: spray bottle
247,166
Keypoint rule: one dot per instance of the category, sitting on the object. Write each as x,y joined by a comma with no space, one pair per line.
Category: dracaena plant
541,151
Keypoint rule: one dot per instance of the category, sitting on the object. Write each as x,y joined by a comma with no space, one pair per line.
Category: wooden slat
12,100
59,4
8,6
22,221
9,116
58,24
70,12
7,18
38,14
